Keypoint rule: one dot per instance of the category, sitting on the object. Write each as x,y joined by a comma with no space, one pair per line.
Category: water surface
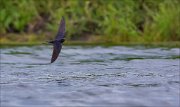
89,76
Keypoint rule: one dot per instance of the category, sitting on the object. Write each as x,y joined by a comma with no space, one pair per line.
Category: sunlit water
90,76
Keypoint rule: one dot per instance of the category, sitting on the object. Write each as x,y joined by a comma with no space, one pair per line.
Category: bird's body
57,43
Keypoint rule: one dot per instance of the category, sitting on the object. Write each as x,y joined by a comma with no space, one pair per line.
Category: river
90,76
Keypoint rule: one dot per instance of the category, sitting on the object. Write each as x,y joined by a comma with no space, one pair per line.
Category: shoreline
172,44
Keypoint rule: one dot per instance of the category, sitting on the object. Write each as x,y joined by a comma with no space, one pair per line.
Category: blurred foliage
111,20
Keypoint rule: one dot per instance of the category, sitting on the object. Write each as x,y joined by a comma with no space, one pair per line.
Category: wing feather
56,51
61,31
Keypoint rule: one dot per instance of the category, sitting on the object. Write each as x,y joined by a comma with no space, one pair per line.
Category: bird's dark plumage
59,39
61,30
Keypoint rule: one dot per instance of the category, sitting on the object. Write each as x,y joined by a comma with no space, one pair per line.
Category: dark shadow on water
131,85
143,85
62,83
39,63
27,63
17,52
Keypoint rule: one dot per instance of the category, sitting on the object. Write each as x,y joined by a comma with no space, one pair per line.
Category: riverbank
84,43
31,40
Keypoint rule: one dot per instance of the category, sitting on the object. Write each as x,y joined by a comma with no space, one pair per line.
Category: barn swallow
59,39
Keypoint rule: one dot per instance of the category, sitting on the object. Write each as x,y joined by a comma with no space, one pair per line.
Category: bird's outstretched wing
61,30
56,50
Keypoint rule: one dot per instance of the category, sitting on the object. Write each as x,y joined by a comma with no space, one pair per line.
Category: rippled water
112,76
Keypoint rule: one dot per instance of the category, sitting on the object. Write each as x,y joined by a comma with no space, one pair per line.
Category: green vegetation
90,21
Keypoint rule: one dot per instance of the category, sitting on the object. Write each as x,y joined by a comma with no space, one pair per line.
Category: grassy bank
32,40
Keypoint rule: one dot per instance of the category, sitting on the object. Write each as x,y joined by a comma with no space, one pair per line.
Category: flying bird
58,41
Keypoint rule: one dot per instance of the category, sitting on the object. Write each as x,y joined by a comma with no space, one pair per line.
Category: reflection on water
129,76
